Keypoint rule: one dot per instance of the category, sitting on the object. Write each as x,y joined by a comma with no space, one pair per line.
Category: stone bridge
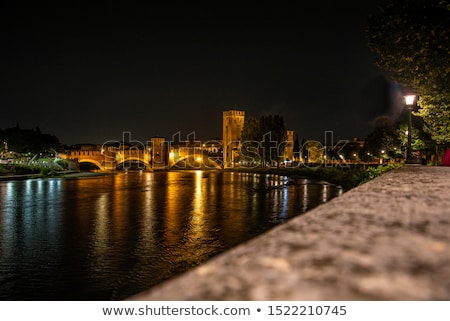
157,157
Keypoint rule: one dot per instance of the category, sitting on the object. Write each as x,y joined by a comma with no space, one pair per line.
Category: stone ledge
388,239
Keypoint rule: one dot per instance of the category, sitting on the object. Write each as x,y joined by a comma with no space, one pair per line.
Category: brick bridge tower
233,123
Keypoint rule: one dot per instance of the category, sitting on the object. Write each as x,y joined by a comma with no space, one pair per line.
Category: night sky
88,73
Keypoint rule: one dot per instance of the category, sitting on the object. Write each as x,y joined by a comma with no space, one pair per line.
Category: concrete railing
388,239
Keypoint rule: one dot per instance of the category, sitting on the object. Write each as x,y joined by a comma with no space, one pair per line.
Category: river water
109,237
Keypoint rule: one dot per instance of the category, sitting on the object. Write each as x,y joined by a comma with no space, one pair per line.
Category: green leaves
435,111
265,134
412,41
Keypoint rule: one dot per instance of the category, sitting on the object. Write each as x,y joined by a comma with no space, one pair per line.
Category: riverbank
346,177
21,172
56,175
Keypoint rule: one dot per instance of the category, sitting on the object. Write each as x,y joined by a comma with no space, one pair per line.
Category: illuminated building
233,123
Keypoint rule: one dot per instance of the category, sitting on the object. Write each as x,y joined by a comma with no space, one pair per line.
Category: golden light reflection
147,232
197,224
305,200
118,206
101,225
232,219
175,204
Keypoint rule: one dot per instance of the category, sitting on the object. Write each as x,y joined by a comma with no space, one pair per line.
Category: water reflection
30,233
110,237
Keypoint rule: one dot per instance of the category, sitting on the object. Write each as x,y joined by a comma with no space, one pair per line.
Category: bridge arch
135,159
92,161
196,162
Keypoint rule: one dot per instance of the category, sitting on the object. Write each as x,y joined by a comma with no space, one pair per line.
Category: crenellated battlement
231,113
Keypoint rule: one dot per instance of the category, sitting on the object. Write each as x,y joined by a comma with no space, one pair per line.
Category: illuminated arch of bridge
127,161
111,158
91,161
107,159
196,162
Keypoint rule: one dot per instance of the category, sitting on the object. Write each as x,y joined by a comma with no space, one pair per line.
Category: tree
418,142
296,148
264,135
350,150
314,151
250,141
421,140
412,41
435,112
28,140
383,141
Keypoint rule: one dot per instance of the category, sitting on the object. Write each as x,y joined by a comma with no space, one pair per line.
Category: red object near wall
446,159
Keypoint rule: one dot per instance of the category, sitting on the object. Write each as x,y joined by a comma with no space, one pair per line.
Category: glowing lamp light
409,100
409,159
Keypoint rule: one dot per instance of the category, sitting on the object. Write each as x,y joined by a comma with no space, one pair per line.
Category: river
109,237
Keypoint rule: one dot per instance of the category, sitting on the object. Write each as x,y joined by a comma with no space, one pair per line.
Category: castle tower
233,123
159,153
290,145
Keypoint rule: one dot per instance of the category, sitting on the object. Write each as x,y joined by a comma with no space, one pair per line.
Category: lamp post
410,101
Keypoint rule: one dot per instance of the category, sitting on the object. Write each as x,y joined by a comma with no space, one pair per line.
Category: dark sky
88,73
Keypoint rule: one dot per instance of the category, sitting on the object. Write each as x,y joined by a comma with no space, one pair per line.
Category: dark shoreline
346,177
68,174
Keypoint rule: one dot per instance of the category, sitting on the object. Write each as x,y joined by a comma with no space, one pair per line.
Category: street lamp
410,101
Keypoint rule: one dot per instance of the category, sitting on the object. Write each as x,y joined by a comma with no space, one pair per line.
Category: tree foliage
412,41
28,140
435,111
383,140
264,135
314,151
